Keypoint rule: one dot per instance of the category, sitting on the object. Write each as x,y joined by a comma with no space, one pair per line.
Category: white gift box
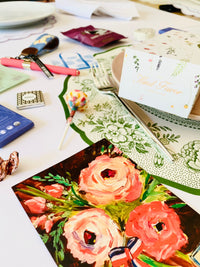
164,73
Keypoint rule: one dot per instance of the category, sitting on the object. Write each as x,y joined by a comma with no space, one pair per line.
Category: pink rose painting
158,226
36,205
91,234
110,179
42,222
55,190
99,209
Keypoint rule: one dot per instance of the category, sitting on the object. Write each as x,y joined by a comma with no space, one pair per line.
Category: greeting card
10,78
98,208
163,72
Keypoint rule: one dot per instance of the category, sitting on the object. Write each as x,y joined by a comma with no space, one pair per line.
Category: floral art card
98,208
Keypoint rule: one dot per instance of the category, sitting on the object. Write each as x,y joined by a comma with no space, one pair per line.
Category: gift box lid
163,72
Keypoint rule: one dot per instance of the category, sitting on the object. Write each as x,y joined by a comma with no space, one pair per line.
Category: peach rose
36,205
55,190
91,234
110,179
42,222
158,226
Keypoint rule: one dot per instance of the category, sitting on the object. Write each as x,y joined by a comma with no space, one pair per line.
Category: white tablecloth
20,246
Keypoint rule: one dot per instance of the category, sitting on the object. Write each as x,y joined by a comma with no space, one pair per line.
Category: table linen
118,9
20,246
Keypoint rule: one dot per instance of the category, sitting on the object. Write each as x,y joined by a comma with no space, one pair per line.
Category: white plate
17,13
116,73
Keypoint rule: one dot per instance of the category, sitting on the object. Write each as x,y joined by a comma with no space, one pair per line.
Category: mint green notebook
11,77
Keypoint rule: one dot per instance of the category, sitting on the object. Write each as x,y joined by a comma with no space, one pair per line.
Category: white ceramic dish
17,13
116,73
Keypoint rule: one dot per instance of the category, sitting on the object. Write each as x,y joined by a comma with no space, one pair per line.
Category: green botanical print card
99,208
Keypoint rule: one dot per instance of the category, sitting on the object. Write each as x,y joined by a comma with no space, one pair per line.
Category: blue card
12,125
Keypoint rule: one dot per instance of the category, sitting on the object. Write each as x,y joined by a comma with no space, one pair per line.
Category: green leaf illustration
98,129
57,242
45,238
179,68
119,211
152,262
53,178
140,148
177,206
150,189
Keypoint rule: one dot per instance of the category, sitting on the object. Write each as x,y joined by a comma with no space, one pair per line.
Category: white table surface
20,245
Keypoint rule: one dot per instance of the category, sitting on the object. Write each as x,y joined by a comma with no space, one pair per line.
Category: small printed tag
77,61
30,99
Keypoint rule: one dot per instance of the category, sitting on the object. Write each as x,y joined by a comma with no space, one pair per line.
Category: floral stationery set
106,206
99,208
163,72
105,117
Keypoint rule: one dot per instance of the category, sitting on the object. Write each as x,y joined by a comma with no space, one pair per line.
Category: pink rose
117,150
55,190
110,179
42,222
158,226
36,205
91,234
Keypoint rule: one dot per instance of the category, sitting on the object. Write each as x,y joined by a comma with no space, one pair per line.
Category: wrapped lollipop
76,100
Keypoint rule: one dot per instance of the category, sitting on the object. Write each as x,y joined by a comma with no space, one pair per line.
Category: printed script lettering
163,86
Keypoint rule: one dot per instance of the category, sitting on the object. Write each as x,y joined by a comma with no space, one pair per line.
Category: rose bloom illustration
42,222
36,205
55,190
158,226
91,234
110,179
